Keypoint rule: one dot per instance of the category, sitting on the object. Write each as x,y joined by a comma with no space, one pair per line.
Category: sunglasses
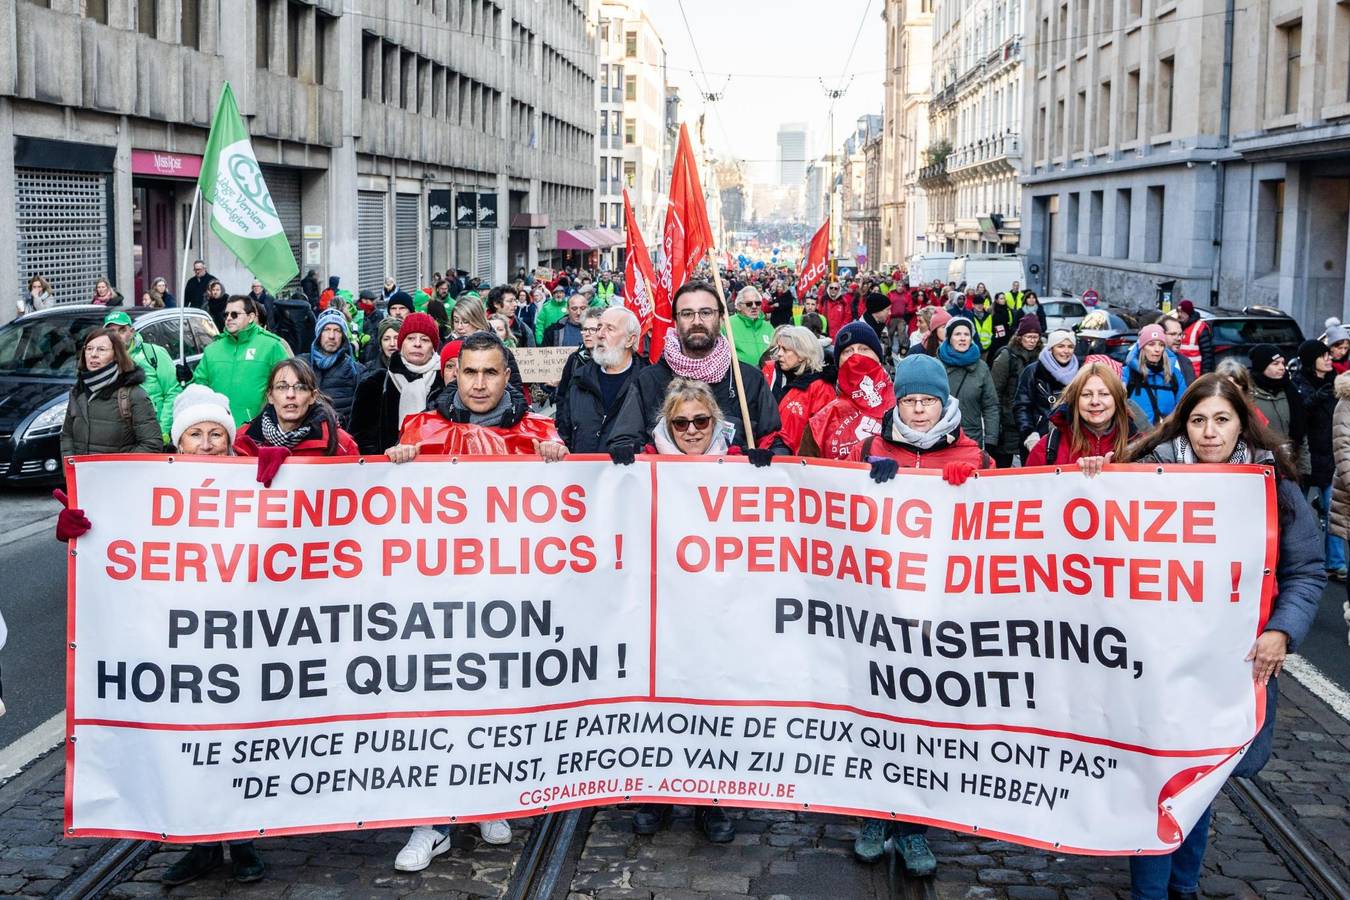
235,314
752,304
699,423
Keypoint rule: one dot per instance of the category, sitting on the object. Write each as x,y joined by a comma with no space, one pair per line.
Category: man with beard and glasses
695,348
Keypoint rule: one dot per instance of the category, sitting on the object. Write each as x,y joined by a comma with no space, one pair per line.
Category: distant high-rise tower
791,153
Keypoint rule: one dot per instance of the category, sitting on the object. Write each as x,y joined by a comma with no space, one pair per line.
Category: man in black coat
194,292
591,400
697,348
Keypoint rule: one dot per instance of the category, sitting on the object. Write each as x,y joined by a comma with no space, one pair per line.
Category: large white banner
1031,655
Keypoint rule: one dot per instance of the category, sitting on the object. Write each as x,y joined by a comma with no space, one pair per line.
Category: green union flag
242,213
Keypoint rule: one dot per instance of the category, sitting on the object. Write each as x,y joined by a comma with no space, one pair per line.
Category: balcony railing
1001,146
933,171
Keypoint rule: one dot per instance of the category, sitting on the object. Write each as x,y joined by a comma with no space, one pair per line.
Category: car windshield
1273,330
44,345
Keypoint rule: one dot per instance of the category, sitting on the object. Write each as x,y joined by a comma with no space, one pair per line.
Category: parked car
1063,314
38,357
1235,332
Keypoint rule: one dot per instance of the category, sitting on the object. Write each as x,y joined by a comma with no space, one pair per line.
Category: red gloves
70,523
957,472
269,463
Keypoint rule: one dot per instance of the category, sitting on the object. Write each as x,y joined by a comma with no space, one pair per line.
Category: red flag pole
735,360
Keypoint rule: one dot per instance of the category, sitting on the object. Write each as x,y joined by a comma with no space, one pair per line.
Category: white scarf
1241,455
927,440
412,393
721,441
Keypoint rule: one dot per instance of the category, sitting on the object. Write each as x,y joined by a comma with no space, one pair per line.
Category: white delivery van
925,268
997,270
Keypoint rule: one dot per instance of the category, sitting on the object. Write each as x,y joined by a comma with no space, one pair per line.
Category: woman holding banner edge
1214,425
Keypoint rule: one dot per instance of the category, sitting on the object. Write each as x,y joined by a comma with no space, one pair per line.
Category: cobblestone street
775,854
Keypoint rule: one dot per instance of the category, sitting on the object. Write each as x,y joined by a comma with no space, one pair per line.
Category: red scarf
710,369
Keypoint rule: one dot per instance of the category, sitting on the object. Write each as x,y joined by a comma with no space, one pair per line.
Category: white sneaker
424,844
495,831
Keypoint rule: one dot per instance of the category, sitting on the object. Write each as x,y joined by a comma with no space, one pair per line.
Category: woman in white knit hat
202,424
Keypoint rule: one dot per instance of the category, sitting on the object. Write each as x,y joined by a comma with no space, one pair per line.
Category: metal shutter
370,239
484,250
284,186
406,234
63,230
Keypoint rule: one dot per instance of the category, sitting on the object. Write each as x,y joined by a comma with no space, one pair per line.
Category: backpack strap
1052,446
124,404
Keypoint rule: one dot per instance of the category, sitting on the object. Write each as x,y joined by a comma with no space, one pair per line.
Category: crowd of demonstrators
952,378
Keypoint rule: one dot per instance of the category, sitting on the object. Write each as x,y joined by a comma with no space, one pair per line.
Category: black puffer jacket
1318,397
641,407
375,421
584,422
1037,394
1007,370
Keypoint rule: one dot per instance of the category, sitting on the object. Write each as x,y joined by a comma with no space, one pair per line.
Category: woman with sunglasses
691,422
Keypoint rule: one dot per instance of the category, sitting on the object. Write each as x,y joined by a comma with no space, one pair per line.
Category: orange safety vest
1190,343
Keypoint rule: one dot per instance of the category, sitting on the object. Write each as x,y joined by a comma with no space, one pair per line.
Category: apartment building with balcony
909,53
972,158
860,231
355,118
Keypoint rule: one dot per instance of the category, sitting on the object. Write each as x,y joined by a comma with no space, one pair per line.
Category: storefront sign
165,165
438,208
487,210
466,209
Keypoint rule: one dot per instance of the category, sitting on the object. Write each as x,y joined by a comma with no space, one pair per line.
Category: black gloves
623,454
884,470
759,458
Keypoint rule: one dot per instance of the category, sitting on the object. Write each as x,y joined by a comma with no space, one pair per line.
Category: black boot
717,826
202,858
1182,895
245,863
649,818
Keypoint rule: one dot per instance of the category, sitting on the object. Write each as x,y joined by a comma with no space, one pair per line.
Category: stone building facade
909,53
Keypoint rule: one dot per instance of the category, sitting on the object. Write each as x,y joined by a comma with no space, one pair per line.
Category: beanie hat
876,302
1028,325
857,333
420,323
450,351
333,282
939,318
1262,355
389,323
330,316
962,322
1309,352
400,298
1150,333
1059,336
1187,307
1102,359
1336,332
196,404
921,374
117,317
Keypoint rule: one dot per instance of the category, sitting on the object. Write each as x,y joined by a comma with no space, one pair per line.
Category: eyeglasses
235,314
282,387
688,315
698,422
588,329
752,304
919,402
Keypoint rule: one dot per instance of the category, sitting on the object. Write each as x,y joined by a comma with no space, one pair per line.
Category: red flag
685,240
638,278
815,261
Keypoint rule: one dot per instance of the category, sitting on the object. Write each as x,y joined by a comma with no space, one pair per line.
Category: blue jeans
1335,547
1152,876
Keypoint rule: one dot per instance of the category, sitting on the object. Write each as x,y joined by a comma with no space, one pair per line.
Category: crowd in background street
868,369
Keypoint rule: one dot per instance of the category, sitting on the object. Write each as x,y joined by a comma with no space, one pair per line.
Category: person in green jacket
161,374
752,332
237,363
553,309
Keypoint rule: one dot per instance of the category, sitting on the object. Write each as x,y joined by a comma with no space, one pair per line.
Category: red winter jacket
838,313
1098,445
806,395
957,448
249,439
